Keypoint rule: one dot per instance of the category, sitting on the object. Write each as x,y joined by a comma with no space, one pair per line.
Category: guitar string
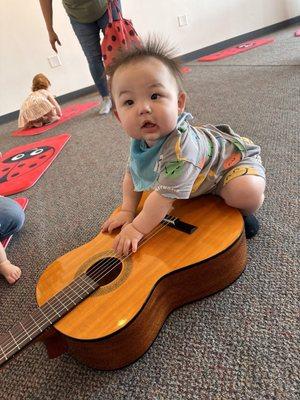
107,271
146,238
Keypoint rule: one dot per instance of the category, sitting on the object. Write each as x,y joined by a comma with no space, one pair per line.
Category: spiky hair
152,47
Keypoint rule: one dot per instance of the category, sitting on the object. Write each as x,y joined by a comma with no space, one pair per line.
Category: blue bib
143,159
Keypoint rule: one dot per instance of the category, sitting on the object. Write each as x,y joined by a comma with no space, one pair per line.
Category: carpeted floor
242,343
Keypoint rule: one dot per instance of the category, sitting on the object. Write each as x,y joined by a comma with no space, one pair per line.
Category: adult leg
88,36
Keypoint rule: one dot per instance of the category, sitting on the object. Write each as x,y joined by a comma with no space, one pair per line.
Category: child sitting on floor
40,107
11,220
168,155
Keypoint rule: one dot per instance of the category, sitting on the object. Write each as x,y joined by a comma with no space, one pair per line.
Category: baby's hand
127,240
114,221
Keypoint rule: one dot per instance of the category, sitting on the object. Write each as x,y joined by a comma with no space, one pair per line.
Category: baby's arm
55,103
155,209
130,202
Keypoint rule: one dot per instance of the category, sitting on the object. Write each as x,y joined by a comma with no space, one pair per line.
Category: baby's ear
181,101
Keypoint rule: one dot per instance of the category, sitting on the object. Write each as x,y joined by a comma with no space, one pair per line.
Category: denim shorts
11,217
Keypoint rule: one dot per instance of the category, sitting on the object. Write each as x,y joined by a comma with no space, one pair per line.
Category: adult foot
105,106
10,272
251,226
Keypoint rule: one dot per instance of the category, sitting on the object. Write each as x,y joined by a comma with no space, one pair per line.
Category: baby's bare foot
10,272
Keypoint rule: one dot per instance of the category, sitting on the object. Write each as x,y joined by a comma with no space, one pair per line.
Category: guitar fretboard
40,319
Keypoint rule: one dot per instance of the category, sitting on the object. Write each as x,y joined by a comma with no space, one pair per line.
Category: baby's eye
128,102
155,96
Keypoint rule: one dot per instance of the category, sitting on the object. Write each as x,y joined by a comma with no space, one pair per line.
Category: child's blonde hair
152,47
40,81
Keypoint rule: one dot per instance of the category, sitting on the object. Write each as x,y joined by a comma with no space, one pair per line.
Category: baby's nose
145,108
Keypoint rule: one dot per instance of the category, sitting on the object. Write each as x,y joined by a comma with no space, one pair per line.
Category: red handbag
118,35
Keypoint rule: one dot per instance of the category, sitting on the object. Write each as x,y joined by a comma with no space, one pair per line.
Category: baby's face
147,99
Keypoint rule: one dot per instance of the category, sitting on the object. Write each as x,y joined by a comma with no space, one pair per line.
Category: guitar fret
3,353
25,331
57,298
36,323
88,282
14,339
50,305
77,294
81,287
63,291
45,315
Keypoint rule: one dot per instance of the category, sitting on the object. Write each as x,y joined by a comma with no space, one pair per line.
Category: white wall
24,40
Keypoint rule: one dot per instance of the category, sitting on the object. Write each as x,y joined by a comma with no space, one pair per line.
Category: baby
40,107
170,157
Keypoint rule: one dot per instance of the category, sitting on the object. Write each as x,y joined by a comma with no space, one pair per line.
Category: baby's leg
245,192
37,123
10,272
50,117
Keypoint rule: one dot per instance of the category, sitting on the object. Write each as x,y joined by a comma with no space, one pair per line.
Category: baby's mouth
148,124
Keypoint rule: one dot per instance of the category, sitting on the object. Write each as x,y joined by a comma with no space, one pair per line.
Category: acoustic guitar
106,311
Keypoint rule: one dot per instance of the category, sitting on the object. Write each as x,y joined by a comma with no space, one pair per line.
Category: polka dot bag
118,35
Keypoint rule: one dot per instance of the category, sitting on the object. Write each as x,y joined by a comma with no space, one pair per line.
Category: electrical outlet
182,20
54,61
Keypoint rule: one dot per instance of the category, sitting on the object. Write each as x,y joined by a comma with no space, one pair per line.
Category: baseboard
183,58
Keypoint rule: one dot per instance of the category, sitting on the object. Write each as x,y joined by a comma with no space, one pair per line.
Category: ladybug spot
113,38
32,165
104,57
5,169
43,156
21,165
109,48
109,25
131,33
16,174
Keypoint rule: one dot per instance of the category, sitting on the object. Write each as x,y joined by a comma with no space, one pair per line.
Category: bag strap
114,3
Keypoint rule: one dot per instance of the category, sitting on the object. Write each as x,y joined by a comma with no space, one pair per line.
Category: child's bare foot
10,272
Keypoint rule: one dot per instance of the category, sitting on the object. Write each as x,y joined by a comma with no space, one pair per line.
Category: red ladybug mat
23,201
231,51
67,113
22,166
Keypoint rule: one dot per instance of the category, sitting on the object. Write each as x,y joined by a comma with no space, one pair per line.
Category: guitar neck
29,328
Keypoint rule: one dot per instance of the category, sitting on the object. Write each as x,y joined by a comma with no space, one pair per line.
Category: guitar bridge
179,225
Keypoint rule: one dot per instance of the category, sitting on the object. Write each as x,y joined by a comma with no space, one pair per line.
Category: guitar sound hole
105,271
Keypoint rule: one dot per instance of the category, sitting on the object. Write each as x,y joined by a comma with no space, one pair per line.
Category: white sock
105,106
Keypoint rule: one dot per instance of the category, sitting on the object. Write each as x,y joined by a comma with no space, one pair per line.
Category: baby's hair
40,81
152,47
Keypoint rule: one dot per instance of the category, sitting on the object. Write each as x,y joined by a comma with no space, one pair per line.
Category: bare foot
10,272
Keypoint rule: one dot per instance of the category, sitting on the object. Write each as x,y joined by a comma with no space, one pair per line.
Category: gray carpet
242,343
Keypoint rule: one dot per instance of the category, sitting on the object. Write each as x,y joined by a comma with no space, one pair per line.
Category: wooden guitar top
113,306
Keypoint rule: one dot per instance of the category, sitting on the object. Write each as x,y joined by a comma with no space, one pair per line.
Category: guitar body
117,323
